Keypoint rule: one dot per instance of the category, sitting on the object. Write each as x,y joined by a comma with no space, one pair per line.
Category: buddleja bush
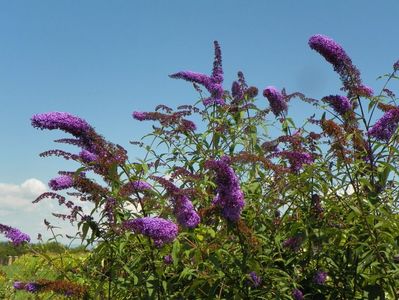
233,210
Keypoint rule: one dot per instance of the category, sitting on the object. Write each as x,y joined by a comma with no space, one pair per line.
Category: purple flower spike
17,237
297,294
385,127
212,83
229,196
320,277
182,206
276,100
336,55
61,183
140,116
340,104
159,230
14,235
63,121
256,280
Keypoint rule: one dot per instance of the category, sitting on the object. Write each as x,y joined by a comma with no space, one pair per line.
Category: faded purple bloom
297,294
252,92
340,104
61,183
336,55
294,243
31,287
276,100
389,93
385,127
212,83
159,230
18,285
229,196
109,209
270,146
364,90
317,208
256,280
320,277
187,125
87,156
396,66
140,116
296,159
236,91
140,186
63,121
15,235
167,259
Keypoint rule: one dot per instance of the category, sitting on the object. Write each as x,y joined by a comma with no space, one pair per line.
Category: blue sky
103,59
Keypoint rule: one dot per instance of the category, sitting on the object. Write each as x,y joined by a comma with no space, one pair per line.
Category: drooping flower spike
182,206
212,83
229,196
14,235
336,55
63,121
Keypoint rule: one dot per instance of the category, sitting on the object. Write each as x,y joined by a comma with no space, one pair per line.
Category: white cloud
17,209
19,197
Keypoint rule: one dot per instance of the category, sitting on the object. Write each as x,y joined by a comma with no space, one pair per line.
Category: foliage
310,211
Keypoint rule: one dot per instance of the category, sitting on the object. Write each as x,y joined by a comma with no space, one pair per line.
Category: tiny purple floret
320,277
167,259
18,285
297,294
31,287
256,280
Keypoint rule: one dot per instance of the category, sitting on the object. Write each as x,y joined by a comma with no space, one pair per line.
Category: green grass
30,267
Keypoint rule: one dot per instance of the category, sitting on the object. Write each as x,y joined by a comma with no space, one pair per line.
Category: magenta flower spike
229,196
212,83
161,231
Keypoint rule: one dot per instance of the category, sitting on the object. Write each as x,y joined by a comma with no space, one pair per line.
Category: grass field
30,267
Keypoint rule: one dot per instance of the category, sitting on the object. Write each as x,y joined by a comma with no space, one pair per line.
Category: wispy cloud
17,210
